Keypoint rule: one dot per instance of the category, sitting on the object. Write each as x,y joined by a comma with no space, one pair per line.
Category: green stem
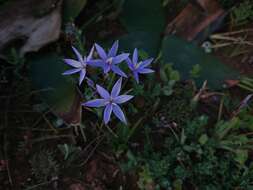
82,132
124,84
38,185
53,137
111,131
220,109
111,81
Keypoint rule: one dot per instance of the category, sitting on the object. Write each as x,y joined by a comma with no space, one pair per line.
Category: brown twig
53,137
49,124
5,146
92,151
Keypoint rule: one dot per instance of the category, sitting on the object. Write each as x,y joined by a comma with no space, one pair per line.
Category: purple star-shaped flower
139,67
79,65
110,101
111,60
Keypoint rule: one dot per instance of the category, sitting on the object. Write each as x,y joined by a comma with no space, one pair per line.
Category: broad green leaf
72,8
46,75
147,41
241,156
185,55
178,184
203,139
143,15
167,73
194,73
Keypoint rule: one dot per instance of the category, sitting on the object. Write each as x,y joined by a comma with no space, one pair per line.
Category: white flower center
136,66
109,60
111,101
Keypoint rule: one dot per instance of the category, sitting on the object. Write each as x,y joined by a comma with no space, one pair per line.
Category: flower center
83,63
137,65
109,61
83,66
111,100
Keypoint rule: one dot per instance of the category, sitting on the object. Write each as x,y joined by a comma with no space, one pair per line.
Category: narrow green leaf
72,8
